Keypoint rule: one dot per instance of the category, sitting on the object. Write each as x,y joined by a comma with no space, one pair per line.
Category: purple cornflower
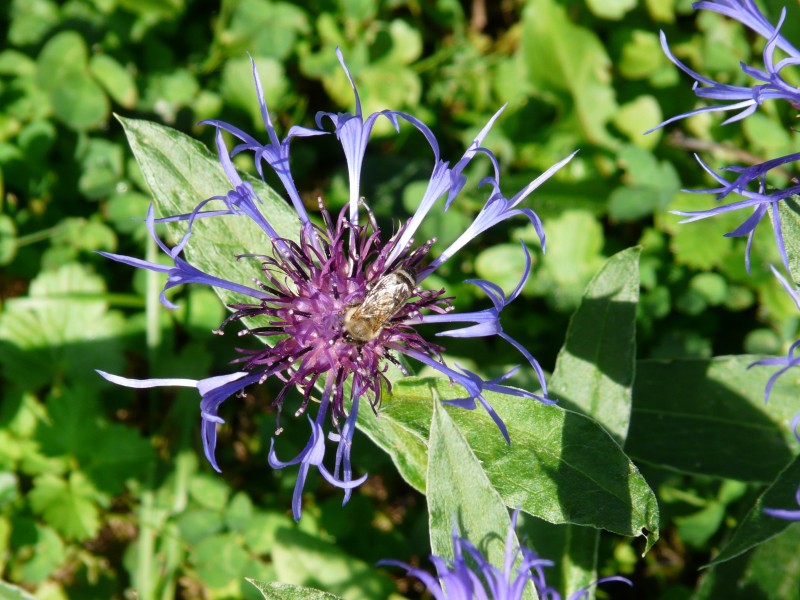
786,363
457,580
340,302
769,84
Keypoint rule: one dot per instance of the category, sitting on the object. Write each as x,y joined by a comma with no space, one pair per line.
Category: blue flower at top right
768,82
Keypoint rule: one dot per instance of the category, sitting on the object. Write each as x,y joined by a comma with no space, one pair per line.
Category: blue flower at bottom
458,580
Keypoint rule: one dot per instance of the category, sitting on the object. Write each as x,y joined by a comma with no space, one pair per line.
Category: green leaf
641,56
12,592
63,73
69,506
757,527
460,493
287,591
115,78
594,374
219,560
771,571
554,478
688,414
108,453
302,559
574,254
181,172
611,9
637,116
31,20
39,551
408,448
8,241
209,491
62,330
650,185
563,57
789,211
595,368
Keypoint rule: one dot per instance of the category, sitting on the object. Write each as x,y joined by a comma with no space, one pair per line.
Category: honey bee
363,322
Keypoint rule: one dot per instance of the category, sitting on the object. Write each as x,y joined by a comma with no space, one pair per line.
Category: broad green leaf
546,470
502,264
758,527
790,223
460,493
637,116
708,417
61,330
264,28
31,20
594,374
219,559
771,571
641,56
574,255
209,491
63,73
12,592
407,448
181,172
287,591
8,241
108,453
302,559
650,185
595,368
563,57
116,80
70,506
40,551
611,9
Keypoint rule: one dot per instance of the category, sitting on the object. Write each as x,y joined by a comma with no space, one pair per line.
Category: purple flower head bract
470,576
768,84
338,302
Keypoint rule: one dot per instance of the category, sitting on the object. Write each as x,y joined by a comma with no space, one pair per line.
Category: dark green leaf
758,527
12,592
460,493
553,476
302,559
286,591
689,415
790,224
771,571
595,368
562,56
219,560
69,506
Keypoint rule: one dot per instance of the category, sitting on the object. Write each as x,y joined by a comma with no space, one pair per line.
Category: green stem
148,517
39,236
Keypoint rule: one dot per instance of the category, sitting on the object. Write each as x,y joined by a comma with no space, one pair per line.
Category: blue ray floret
469,576
768,84
330,331
785,363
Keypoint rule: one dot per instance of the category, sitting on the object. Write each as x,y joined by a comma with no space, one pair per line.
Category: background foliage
103,490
